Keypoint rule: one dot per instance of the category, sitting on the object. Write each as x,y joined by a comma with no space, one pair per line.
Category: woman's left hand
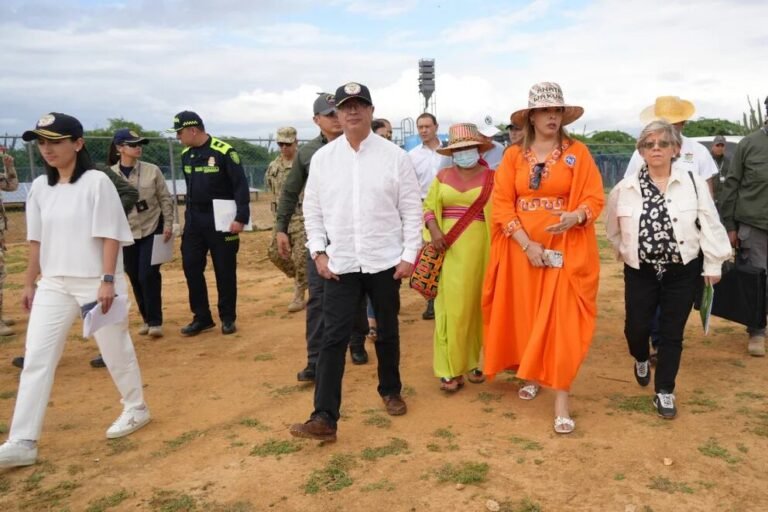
567,221
167,235
106,296
713,280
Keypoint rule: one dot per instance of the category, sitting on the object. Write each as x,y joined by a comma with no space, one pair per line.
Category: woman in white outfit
75,227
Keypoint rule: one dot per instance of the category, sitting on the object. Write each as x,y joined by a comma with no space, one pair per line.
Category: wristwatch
316,254
107,278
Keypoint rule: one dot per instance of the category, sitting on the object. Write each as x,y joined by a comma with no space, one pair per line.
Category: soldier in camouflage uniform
8,181
296,265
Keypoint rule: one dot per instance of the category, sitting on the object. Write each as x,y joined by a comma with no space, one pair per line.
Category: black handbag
739,295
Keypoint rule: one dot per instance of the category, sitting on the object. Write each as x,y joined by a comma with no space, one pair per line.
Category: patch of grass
526,444
524,505
705,485
32,482
488,409
509,415
6,395
111,501
663,484
5,484
619,477
486,397
750,395
183,439
464,473
700,403
289,390
761,430
738,363
434,447
713,449
3,428
48,498
381,485
741,448
75,469
7,340
276,448
395,447
264,357
254,423
121,445
638,403
376,419
172,501
444,433
333,477
408,391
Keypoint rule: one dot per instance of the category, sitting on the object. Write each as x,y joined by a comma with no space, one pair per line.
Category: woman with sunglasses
539,299
658,221
75,227
152,215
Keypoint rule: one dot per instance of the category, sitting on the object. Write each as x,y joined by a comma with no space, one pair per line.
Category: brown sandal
451,385
475,376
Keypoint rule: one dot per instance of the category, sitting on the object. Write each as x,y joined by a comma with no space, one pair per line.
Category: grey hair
659,126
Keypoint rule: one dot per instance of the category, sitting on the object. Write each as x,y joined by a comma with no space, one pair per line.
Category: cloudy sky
250,66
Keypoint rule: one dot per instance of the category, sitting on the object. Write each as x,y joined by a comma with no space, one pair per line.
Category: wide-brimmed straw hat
672,109
464,135
546,95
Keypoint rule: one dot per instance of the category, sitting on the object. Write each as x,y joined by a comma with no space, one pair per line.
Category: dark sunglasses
131,144
719,145
284,144
663,144
535,181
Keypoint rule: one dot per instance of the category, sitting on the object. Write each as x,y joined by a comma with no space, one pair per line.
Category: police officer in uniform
212,170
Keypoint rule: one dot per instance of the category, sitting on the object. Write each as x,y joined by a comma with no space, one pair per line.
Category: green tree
116,123
608,142
704,126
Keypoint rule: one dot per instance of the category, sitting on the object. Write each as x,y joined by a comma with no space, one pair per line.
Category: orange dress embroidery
540,321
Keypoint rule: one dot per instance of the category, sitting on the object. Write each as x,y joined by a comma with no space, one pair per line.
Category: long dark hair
112,155
83,163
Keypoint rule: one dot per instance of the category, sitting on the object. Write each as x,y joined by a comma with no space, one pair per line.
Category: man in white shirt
694,156
362,213
494,155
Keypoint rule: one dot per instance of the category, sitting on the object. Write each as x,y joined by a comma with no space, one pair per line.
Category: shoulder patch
570,160
234,156
220,146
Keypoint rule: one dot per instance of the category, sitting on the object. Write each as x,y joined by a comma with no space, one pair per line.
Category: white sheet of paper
95,319
224,211
162,252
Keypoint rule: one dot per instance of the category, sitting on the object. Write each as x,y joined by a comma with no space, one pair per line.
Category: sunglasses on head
663,144
535,181
131,144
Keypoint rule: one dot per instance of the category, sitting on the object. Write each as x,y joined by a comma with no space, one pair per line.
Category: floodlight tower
427,83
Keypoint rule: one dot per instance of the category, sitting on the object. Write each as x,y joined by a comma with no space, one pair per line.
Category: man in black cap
326,119
362,212
717,150
212,170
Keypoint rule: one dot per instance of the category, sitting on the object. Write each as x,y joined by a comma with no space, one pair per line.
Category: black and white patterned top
656,244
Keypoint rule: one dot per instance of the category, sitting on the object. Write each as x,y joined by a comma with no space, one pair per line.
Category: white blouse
70,219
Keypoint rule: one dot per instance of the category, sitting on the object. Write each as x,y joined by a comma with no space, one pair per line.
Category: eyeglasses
132,144
535,181
284,144
663,144
720,145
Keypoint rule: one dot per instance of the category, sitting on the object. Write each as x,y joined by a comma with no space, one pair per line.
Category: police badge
352,88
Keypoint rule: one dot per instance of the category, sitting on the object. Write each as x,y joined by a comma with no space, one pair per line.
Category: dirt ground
222,406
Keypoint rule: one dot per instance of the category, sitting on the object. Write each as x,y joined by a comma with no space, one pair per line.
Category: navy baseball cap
353,90
55,126
125,136
185,119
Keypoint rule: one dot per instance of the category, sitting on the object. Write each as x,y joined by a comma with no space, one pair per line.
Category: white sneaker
156,331
756,345
144,329
129,422
17,453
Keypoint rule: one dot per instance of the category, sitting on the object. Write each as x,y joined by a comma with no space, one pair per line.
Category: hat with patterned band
547,95
672,109
463,136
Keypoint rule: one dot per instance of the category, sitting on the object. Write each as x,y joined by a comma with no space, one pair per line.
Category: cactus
754,120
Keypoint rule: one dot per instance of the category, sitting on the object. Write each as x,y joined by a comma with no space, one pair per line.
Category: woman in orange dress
539,296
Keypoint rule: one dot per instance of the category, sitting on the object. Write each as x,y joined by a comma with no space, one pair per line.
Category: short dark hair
83,163
425,115
378,123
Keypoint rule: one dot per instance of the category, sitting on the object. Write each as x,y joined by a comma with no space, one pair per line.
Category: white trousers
55,307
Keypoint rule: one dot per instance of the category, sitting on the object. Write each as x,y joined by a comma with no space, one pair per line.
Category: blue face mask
467,158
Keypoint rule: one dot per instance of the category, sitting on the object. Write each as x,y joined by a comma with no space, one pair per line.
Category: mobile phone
553,259
85,308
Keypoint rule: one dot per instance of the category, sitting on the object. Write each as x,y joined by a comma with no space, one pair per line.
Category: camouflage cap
286,134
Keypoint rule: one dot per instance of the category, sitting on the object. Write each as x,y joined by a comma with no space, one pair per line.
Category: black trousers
314,332
200,236
673,295
146,280
341,307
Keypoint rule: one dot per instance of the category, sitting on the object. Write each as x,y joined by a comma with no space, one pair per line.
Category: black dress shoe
196,327
359,355
307,374
98,362
18,362
228,328
429,313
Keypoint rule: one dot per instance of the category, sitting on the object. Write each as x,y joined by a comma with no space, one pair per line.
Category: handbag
429,262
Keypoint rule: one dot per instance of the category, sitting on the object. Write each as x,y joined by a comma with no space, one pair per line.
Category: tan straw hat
464,135
672,109
545,95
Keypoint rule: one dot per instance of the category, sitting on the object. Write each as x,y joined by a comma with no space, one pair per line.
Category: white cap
486,127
